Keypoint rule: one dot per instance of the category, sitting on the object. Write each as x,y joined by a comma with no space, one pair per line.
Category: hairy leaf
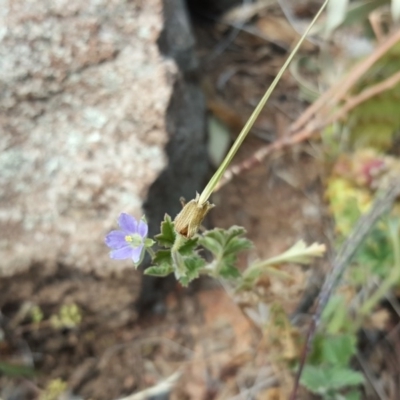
376,253
167,236
193,266
162,257
353,395
228,270
212,245
225,246
325,379
338,350
225,242
159,270
188,247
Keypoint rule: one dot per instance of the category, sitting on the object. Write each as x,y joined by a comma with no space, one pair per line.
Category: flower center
134,240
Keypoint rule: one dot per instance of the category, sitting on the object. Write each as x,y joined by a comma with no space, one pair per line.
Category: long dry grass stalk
215,179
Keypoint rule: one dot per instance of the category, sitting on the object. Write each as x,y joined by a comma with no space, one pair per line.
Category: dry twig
316,117
365,95
337,93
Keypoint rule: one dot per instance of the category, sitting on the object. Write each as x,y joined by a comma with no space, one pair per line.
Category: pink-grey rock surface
85,117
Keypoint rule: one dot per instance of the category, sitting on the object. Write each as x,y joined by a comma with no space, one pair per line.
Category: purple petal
143,229
122,254
136,254
127,223
116,239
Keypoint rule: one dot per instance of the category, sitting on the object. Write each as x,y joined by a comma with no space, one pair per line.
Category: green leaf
167,236
193,266
353,395
225,246
315,356
345,203
16,370
162,257
315,379
213,241
376,253
209,243
237,245
229,271
159,270
234,243
338,350
188,247
344,377
335,350
163,264
325,379
223,242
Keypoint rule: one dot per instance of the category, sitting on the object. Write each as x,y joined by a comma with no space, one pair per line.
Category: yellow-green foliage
36,314
354,178
69,316
346,203
53,390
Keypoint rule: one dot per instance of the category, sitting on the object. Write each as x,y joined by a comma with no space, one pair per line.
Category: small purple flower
129,241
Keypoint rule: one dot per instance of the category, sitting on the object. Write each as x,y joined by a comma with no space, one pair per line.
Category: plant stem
178,264
179,241
151,252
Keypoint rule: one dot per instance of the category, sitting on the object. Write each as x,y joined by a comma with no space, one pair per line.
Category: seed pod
188,221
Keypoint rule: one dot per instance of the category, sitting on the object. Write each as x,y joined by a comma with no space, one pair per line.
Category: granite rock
100,113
